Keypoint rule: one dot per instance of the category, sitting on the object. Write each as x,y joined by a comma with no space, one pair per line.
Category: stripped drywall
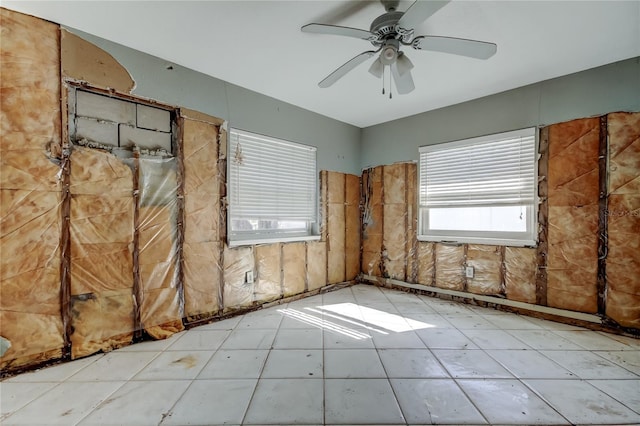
562,271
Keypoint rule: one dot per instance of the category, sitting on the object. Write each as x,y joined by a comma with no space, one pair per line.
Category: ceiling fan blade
376,68
404,82
345,68
337,30
404,64
457,46
419,11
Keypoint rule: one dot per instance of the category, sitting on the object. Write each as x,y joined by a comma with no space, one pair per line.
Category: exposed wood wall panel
623,257
573,215
237,292
294,268
352,226
394,256
84,61
316,265
29,191
449,267
336,225
487,263
268,272
521,267
372,218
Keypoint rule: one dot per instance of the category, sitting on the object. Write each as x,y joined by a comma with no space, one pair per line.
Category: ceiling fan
390,31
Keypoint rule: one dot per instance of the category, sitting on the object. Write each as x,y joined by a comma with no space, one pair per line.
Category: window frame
527,238
237,238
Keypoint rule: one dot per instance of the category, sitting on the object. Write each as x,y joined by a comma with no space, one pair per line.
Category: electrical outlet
249,277
469,271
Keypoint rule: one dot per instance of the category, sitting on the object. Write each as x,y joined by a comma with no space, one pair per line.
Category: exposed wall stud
603,151
543,215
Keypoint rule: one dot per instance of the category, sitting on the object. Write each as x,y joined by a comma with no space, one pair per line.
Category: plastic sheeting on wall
202,248
268,272
316,265
426,270
161,306
623,257
101,232
238,293
572,259
520,269
487,263
30,320
294,268
449,267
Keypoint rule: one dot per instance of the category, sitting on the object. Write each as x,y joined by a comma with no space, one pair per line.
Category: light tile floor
360,355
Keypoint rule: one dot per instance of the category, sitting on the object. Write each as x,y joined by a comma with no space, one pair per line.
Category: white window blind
270,181
486,171
481,190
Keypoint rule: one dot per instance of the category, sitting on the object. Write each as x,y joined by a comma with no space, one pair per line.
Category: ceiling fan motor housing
384,26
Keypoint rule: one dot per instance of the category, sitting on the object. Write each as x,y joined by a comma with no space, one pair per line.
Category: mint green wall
338,143
346,148
613,87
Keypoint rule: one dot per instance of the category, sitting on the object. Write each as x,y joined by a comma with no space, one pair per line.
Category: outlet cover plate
469,271
249,277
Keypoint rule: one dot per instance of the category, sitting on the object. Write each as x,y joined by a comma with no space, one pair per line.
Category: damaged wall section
570,186
30,320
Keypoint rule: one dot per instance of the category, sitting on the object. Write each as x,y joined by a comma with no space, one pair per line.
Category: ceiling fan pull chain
383,79
390,87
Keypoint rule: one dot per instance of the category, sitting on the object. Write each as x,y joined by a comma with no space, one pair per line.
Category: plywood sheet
394,181
335,188
201,278
449,267
200,116
94,171
573,162
624,153
487,263
34,337
521,267
237,292
200,151
101,322
268,272
294,268
84,61
425,263
394,241
336,265
316,265
623,257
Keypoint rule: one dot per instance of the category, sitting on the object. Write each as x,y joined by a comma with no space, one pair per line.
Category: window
272,190
480,190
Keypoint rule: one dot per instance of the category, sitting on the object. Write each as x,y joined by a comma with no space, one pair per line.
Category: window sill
485,241
272,240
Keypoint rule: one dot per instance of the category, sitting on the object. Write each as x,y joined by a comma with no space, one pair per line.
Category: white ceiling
258,45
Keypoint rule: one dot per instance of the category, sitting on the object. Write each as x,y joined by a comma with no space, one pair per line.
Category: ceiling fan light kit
393,29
